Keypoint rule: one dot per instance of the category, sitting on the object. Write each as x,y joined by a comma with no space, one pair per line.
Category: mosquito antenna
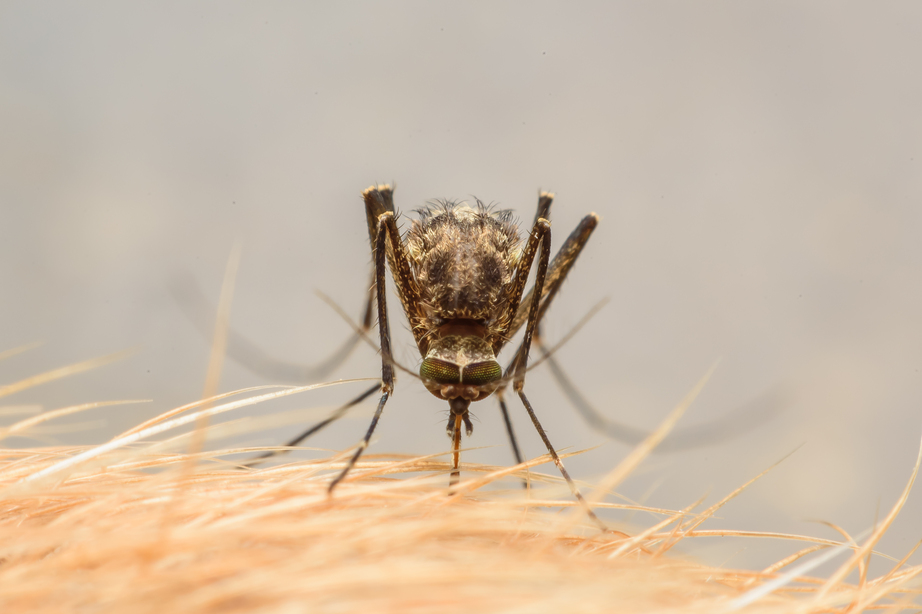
336,415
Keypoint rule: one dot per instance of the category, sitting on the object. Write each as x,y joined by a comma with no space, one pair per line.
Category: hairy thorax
463,259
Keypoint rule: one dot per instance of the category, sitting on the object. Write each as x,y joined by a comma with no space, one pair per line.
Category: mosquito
460,272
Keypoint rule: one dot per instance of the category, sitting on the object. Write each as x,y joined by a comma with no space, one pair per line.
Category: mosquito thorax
460,366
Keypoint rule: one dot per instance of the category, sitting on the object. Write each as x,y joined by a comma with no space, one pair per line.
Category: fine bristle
141,524
128,538
138,531
144,523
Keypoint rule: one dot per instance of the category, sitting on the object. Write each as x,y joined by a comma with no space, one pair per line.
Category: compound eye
481,373
440,371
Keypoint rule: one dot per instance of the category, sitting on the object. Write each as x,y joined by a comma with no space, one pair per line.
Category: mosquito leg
387,366
379,201
200,312
362,446
557,272
543,228
197,308
543,212
369,304
513,442
590,414
559,463
731,424
336,415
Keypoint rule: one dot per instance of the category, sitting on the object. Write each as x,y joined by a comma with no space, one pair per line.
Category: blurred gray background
756,167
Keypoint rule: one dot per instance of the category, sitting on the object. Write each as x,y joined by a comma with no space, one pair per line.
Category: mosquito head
461,367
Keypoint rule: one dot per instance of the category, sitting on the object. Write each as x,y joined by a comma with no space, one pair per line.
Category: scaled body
464,259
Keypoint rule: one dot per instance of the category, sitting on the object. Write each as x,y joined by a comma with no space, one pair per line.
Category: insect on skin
460,272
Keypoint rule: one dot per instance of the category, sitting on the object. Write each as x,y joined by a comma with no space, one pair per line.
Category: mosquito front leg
556,273
385,220
542,230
